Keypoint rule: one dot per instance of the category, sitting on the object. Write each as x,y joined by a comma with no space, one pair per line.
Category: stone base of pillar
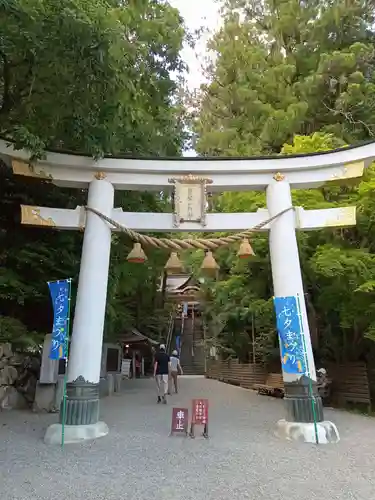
304,407
302,401
82,403
75,433
305,432
82,415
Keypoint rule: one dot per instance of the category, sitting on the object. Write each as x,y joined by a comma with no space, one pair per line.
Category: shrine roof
178,282
133,336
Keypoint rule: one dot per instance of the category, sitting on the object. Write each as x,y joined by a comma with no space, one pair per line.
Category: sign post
180,419
200,416
125,367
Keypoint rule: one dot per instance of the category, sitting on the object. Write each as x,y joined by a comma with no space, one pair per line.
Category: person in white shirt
175,371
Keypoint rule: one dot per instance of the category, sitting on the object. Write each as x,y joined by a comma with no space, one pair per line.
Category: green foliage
317,143
90,76
338,271
14,331
133,297
284,67
295,77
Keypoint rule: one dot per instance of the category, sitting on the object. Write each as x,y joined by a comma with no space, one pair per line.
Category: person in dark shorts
161,373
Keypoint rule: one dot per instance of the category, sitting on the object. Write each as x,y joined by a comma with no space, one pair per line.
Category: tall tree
89,76
285,67
338,272
294,76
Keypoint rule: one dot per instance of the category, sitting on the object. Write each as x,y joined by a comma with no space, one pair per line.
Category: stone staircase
192,354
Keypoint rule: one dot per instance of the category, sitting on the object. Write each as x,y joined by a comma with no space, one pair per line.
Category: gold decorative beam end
354,169
23,168
27,170
31,216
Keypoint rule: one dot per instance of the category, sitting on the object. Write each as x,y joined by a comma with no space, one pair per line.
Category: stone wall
18,378
32,381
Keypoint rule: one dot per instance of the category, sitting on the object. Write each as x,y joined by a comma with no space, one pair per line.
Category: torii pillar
82,404
305,419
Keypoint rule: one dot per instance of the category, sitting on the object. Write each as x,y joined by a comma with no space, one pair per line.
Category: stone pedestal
49,368
45,398
306,432
59,394
103,388
118,382
75,433
111,384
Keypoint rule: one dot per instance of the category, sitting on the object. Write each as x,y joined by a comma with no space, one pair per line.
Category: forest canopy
288,76
95,77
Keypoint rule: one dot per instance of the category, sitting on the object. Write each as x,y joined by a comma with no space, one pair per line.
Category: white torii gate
277,176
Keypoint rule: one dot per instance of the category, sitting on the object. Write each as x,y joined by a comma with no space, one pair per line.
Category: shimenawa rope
188,243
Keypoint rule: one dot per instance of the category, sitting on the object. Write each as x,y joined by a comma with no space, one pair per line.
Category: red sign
180,419
200,411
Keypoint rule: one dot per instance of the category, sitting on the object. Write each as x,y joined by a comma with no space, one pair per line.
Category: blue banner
60,291
185,309
288,322
178,343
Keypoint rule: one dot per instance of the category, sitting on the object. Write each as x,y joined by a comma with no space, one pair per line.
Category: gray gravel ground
242,459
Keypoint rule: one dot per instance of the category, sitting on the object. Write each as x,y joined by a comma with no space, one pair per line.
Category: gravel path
242,459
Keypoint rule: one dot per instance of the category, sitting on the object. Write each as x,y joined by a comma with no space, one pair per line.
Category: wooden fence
349,381
233,372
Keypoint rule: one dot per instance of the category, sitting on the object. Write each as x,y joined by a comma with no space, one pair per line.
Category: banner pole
66,366
313,402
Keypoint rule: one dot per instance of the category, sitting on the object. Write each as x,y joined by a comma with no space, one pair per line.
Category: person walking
161,373
176,370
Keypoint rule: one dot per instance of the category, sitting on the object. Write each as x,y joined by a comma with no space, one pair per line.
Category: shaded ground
139,461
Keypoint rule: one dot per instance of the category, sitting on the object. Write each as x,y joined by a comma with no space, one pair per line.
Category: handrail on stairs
182,331
204,327
182,324
192,332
